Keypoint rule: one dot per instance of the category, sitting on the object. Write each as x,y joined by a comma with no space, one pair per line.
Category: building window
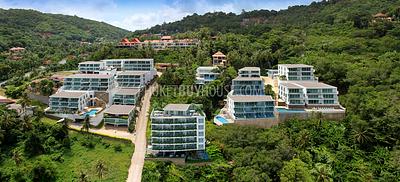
329,101
201,134
312,90
328,96
313,101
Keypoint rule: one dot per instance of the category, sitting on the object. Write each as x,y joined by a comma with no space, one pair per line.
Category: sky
136,15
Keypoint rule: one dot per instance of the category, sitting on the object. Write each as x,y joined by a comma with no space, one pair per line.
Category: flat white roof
295,65
305,84
89,76
127,91
177,107
132,72
119,109
250,69
91,62
250,98
130,59
68,94
239,78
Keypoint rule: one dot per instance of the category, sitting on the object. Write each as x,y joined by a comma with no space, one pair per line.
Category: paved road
137,161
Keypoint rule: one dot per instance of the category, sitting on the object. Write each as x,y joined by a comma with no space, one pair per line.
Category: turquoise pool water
283,110
221,119
92,112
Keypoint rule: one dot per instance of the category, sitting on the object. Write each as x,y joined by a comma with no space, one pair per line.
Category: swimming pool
92,112
283,110
221,119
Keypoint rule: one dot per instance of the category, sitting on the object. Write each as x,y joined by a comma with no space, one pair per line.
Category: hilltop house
219,59
206,74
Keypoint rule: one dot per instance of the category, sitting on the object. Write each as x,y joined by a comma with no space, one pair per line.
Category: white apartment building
134,79
70,101
306,94
206,74
249,72
250,106
89,82
247,99
177,128
130,64
248,86
125,96
119,115
296,72
91,67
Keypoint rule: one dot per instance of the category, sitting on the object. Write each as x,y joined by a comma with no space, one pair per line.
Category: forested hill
333,11
28,28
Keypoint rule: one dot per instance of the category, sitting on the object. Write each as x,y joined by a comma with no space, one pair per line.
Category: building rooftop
295,65
132,72
91,62
89,76
119,109
130,59
68,94
250,69
127,91
239,78
219,53
250,98
306,84
177,107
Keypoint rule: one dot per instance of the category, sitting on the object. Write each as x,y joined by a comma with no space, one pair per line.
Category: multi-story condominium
250,106
125,96
119,115
89,82
70,101
163,43
178,127
130,64
91,67
206,74
249,72
133,79
248,86
306,94
296,72
219,59
247,100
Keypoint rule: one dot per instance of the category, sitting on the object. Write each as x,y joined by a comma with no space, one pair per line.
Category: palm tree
362,135
83,177
24,101
26,123
86,124
101,169
17,157
322,172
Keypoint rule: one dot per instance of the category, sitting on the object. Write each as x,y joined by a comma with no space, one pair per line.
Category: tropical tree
16,157
295,170
83,177
322,172
86,124
101,169
24,101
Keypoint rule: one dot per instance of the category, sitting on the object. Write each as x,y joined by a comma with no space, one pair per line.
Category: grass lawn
86,150
81,158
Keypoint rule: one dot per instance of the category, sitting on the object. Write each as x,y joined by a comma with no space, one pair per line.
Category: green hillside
29,28
48,38
334,11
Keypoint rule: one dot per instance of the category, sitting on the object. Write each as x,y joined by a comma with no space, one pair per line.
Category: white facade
296,72
305,94
206,74
178,127
130,64
91,67
249,72
134,79
69,101
89,82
